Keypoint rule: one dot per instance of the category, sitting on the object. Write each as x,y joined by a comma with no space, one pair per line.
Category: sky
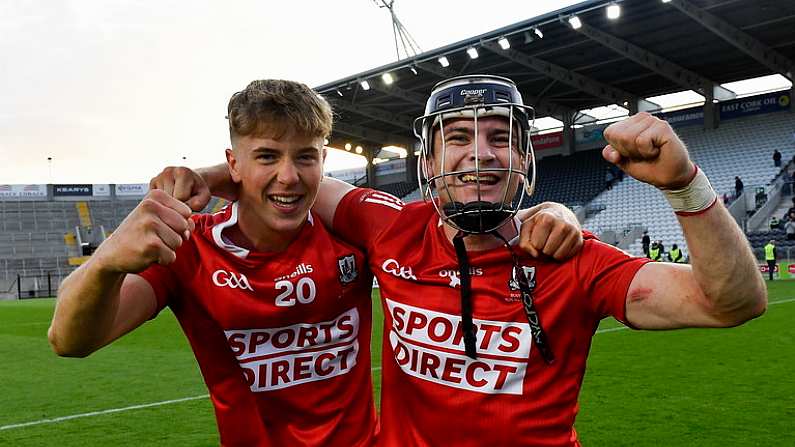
112,91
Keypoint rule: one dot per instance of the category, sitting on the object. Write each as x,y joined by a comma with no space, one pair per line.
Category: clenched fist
150,234
648,149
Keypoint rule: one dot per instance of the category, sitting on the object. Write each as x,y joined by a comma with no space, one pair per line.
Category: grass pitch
681,388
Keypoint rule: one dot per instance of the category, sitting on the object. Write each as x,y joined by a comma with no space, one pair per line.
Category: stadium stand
574,180
737,148
398,189
39,239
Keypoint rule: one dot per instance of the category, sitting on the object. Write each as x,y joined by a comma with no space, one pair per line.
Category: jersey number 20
304,289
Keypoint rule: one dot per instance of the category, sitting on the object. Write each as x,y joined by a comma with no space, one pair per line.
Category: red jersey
432,393
282,339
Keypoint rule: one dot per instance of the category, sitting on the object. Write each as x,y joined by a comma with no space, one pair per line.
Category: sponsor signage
791,269
23,191
763,268
277,358
72,190
429,345
686,117
131,189
547,140
102,190
736,108
770,102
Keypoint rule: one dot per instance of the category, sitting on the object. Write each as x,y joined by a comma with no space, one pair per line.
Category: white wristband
694,198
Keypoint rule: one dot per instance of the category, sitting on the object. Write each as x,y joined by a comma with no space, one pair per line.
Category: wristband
695,198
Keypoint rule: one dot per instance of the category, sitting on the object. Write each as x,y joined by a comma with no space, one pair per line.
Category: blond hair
275,107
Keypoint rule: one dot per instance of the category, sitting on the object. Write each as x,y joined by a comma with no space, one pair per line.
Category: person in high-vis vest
770,257
655,253
675,255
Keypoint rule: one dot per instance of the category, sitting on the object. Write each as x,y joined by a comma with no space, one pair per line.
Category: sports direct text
275,358
429,345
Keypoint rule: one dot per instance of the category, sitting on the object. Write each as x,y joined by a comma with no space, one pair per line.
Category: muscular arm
721,288
95,307
102,300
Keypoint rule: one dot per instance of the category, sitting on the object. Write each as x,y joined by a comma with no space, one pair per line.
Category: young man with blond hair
277,310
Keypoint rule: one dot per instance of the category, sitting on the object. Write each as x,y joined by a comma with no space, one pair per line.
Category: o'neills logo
454,275
300,269
429,345
276,358
479,91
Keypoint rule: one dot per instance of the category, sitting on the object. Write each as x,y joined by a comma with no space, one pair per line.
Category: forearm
88,301
562,210
724,266
219,181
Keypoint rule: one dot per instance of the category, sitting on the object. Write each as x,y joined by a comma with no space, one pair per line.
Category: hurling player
277,311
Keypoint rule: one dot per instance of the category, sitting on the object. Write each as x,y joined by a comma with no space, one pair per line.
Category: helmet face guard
474,98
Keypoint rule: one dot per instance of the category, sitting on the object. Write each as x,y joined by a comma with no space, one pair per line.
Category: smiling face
279,179
479,164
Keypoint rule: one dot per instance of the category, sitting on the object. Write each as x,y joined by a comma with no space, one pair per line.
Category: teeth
286,200
484,178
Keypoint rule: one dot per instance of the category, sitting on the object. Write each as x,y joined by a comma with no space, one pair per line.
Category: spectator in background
775,223
738,186
770,257
789,227
675,255
655,252
777,158
646,241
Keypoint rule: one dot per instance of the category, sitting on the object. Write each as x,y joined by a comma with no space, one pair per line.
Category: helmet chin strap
468,327
477,217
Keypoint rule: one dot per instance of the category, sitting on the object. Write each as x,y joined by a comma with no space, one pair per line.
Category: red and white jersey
432,393
282,339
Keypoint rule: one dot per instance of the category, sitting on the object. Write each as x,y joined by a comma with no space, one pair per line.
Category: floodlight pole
403,39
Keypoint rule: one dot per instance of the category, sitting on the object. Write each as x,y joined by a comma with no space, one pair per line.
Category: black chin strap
468,328
466,296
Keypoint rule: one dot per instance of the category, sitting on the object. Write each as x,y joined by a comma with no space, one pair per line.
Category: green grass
694,387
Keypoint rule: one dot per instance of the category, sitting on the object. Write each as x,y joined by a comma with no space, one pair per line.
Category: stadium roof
653,48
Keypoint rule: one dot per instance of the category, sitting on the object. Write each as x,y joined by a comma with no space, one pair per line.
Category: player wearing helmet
488,346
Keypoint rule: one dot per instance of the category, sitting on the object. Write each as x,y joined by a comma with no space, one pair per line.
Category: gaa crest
347,268
513,284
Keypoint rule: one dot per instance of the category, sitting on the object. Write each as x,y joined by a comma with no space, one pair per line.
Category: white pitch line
97,413
204,396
